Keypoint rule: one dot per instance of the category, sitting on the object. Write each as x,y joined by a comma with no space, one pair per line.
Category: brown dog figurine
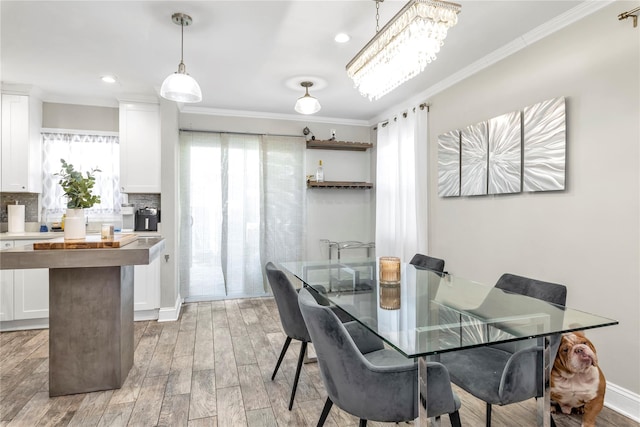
576,379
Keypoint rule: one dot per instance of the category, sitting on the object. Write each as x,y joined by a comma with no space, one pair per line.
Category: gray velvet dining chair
510,372
291,319
428,262
364,378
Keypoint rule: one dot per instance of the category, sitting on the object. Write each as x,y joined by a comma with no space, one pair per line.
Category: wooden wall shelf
340,184
338,145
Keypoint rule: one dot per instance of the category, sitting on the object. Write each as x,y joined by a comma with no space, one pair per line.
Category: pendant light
307,104
180,86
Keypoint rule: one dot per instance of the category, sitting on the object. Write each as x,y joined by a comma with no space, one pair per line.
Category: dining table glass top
428,312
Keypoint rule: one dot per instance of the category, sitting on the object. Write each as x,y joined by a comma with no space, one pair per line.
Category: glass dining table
428,313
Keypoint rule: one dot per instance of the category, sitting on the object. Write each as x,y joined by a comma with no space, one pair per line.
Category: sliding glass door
230,184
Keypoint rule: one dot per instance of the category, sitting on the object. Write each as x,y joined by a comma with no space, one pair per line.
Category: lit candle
107,231
389,269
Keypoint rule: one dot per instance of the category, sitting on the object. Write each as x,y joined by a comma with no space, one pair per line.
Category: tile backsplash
140,201
29,200
31,203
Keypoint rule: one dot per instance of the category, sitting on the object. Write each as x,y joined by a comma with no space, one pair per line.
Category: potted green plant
77,187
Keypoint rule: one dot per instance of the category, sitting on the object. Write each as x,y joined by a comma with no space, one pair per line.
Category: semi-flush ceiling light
180,86
307,104
403,48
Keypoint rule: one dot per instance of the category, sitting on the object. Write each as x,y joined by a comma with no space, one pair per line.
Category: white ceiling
244,54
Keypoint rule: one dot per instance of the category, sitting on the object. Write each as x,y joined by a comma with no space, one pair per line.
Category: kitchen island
91,342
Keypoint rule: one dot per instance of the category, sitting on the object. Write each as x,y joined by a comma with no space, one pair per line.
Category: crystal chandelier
403,47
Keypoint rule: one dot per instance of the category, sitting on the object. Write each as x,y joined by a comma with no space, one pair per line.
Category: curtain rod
240,133
404,114
633,13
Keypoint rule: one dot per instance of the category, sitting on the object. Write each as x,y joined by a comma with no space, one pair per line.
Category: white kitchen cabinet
139,148
146,282
24,294
20,151
6,289
30,290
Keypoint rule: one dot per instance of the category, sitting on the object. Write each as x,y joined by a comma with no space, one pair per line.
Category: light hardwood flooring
210,368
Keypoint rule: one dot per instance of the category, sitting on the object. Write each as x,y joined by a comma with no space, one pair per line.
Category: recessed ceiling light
342,38
108,79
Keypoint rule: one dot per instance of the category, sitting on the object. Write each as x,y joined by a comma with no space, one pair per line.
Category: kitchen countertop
142,251
55,234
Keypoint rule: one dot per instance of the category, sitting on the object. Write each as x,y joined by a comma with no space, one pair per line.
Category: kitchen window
85,150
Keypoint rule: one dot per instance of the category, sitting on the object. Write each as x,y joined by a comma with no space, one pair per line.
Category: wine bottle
320,172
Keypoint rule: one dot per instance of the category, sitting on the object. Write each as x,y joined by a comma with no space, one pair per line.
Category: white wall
334,214
586,237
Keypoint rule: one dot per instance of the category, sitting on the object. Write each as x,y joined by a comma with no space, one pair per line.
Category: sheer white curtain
401,185
284,191
85,151
241,206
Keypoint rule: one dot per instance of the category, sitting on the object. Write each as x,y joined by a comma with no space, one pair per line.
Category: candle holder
390,296
106,231
389,269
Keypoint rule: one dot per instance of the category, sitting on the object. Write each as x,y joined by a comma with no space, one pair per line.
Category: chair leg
363,423
488,414
325,412
303,350
455,419
282,353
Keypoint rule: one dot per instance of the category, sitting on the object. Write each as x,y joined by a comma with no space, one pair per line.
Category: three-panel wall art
511,153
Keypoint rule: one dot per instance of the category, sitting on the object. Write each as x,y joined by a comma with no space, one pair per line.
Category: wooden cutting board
90,242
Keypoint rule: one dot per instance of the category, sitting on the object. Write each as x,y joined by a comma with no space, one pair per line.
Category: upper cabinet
139,147
21,152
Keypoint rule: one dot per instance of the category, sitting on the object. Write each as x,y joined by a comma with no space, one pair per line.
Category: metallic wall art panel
473,160
449,164
505,161
544,146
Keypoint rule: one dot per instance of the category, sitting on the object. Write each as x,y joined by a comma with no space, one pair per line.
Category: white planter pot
74,225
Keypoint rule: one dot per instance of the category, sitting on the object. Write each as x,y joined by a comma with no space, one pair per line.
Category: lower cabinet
24,293
6,289
146,282
31,293
30,290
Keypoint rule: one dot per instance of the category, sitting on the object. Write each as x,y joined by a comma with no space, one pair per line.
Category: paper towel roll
16,218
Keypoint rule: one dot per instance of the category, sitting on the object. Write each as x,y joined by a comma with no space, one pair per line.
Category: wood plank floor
211,368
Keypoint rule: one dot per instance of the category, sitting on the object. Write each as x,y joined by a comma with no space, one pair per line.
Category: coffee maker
147,219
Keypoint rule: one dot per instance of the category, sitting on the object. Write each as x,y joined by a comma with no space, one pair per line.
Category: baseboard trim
623,401
143,315
22,325
170,314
